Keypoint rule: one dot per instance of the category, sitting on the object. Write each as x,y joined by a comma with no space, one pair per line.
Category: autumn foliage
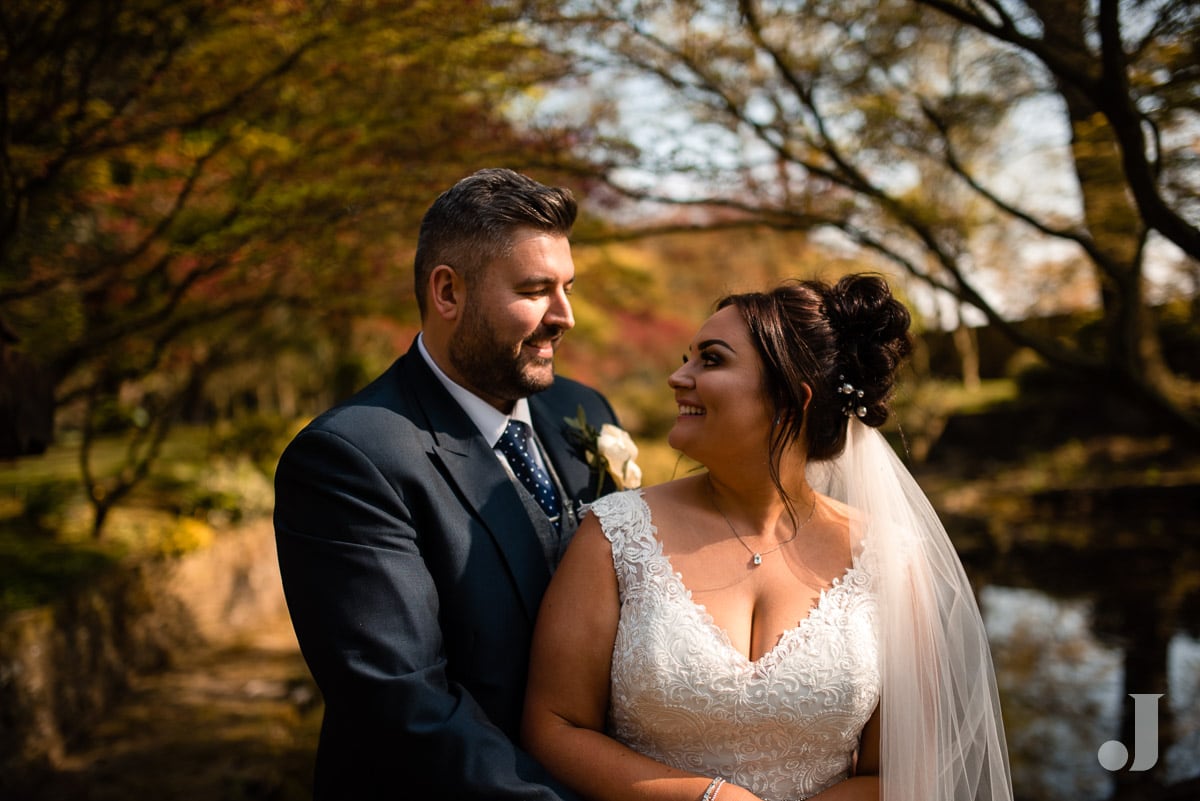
202,202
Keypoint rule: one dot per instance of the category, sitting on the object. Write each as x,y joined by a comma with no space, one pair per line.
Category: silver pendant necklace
756,557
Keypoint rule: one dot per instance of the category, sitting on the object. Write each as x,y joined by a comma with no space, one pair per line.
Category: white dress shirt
490,421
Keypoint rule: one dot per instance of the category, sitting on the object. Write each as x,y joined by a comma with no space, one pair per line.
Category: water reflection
1087,601
1183,758
1063,694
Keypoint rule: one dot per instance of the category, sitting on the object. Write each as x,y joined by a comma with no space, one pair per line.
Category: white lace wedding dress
785,726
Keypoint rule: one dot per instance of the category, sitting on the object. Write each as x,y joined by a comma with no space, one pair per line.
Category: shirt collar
490,421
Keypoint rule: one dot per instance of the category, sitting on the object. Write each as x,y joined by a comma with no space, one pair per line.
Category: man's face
514,318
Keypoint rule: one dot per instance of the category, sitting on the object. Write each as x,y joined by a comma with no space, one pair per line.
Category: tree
190,186
963,141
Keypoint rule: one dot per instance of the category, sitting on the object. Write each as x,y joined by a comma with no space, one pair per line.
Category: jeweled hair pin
853,407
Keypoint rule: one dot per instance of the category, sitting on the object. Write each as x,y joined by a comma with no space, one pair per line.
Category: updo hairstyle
809,333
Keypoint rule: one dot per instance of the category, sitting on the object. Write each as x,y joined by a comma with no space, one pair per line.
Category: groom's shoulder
567,388
382,402
567,395
379,423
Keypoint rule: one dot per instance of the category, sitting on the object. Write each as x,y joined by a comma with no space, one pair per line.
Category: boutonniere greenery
608,450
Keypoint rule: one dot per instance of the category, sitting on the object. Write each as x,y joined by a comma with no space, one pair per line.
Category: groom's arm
366,614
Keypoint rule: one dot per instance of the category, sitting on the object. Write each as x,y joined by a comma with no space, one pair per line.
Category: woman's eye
706,359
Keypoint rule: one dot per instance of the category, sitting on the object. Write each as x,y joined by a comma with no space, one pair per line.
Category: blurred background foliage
208,210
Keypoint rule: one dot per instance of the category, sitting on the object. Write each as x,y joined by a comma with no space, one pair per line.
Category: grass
35,571
46,544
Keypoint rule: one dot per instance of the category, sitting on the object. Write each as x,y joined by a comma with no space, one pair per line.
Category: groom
417,527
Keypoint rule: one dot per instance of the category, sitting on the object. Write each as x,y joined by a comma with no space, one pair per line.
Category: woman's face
723,408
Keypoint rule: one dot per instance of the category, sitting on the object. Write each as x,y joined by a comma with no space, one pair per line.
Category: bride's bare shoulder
673,494
836,509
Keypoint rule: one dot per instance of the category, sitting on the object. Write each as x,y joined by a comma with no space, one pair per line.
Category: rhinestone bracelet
714,787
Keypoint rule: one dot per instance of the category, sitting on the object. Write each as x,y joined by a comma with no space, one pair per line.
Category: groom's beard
500,369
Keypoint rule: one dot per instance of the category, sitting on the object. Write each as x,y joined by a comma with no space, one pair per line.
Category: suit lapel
565,454
469,463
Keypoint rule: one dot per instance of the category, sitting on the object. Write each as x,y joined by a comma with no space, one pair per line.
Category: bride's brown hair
821,336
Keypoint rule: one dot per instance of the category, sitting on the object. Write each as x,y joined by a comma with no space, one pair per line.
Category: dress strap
625,520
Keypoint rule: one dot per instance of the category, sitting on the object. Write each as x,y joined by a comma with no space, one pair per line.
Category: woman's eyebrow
710,342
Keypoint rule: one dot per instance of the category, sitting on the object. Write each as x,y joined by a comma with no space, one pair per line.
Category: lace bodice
785,726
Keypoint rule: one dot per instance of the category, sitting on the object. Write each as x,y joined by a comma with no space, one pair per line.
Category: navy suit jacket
413,572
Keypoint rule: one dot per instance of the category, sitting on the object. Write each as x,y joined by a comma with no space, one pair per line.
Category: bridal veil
942,737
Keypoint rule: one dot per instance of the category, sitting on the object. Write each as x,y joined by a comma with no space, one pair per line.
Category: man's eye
685,358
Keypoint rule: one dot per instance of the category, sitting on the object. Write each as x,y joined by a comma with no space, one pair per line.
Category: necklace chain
756,557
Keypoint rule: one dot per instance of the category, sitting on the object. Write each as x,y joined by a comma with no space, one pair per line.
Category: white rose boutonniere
618,451
610,450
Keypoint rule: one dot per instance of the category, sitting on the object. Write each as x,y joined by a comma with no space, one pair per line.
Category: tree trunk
966,342
1111,218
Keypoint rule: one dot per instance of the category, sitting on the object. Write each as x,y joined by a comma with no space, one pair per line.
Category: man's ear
448,292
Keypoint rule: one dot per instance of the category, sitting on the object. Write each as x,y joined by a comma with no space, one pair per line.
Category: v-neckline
773,653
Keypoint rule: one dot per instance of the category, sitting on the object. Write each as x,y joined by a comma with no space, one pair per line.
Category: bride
793,622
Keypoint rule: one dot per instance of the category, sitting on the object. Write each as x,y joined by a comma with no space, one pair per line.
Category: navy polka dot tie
514,444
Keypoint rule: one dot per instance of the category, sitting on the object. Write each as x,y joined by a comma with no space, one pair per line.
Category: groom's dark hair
472,222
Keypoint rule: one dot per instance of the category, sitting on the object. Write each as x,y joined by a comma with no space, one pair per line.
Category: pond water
1092,605
1063,692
